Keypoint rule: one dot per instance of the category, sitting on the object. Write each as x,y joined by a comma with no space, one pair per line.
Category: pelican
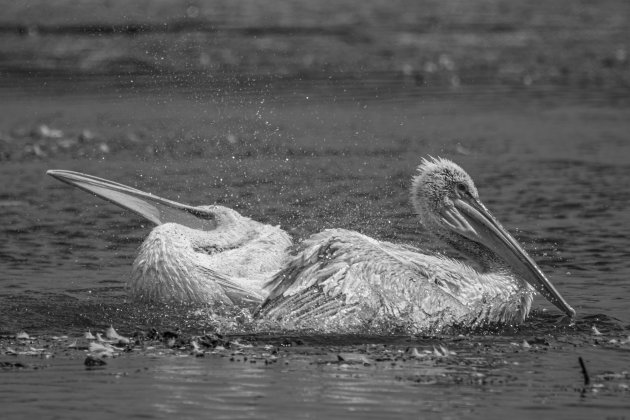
339,280
195,255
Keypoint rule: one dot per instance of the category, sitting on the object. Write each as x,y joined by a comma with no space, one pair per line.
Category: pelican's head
447,202
438,183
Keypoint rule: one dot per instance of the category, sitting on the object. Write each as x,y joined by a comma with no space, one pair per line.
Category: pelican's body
195,255
340,281
345,281
337,280
228,264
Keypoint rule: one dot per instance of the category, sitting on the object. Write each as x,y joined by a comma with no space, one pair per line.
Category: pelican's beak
471,219
153,208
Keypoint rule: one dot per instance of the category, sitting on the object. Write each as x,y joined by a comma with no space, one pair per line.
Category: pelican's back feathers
339,276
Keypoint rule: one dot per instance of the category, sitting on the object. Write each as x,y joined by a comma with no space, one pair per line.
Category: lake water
553,167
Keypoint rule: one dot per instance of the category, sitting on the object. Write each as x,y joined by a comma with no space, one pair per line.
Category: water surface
554,171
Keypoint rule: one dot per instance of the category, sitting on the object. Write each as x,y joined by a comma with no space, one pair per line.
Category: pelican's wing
153,208
337,272
237,290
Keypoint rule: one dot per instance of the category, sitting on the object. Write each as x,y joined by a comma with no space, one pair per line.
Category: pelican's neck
478,255
493,268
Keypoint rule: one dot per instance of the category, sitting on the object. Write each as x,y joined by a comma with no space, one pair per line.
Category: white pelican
340,280
206,254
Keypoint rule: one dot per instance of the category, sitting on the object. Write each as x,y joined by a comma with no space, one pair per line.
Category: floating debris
112,335
353,358
94,362
58,338
442,351
214,341
31,351
609,376
104,349
196,350
596,331
12,365
415,353
22,336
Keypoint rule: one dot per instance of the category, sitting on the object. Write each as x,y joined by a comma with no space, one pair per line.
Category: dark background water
315,126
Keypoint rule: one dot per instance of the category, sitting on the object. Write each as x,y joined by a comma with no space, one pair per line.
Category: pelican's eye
462,188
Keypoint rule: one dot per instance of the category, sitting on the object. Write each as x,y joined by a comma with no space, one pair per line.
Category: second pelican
340,281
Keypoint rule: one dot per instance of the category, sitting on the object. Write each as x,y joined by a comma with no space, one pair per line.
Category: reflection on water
555,172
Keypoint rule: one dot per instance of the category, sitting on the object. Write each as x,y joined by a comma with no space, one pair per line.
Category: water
554,171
